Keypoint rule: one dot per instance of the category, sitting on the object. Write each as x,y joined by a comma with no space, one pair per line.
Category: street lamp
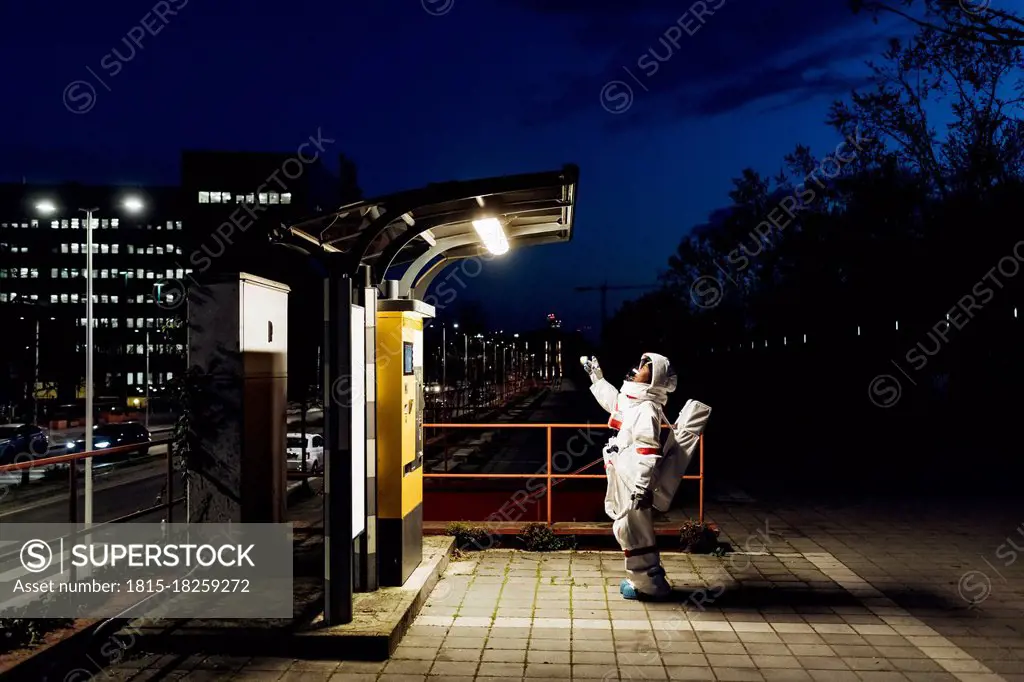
146,375
132,204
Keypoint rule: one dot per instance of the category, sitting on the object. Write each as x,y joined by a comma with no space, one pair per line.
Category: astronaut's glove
609,452
592,368
642,498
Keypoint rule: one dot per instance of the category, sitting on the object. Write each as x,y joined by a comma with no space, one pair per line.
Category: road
117,492
121,490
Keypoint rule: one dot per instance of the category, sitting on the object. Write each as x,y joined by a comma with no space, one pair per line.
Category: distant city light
133,204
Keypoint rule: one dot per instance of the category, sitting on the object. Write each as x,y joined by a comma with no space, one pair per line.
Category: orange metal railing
550,475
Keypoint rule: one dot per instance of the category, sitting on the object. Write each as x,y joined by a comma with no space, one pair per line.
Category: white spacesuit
644,463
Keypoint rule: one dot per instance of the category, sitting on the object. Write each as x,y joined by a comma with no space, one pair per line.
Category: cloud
777,52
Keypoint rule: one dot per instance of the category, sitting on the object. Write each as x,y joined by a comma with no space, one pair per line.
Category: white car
314,452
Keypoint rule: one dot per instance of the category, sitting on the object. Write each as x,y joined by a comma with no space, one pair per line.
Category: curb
373,634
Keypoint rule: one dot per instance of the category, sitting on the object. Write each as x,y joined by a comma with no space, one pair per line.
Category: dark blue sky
417,92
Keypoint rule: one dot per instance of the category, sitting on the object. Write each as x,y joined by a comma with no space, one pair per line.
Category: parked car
314,452
115,436
22,439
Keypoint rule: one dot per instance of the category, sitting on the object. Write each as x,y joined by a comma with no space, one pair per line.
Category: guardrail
550,476
72,460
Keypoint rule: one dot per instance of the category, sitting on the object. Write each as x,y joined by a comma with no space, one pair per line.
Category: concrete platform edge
353,641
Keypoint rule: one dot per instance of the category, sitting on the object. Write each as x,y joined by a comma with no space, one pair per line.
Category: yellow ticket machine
400,437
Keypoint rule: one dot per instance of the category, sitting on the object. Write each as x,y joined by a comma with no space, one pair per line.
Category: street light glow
492,235
46,207
133,204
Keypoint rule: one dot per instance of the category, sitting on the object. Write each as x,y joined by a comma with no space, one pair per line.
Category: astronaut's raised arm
606,395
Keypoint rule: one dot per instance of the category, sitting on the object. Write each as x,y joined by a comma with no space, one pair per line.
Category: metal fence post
550,490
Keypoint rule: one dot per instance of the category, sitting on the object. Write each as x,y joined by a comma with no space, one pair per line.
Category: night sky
417,92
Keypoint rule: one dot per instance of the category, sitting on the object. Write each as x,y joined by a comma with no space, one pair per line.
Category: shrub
698,538
538,537
468,537
17,633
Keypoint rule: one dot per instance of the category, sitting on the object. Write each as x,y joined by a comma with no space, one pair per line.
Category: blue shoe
628,591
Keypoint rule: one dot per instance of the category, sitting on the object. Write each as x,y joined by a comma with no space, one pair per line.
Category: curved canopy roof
436,221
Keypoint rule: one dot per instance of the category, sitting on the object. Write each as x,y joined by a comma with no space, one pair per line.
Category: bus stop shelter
357,248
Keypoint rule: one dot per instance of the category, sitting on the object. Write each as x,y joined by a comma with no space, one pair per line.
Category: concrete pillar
238,341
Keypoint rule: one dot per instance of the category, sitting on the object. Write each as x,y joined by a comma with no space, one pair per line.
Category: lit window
275,198
214,197
54,298
129,375
113,323
104,248
35,223
113,248
131,323
170,274
138,323
179,274
140,298
225,197
114,222
149,250
138,375
159,250
170,224
250,198
35,273
129,274
104,298
113,299
74,224
150,274
263,197
104,274
63,248
149,322
286,198
239,198
204,198
177,250
177,224
63,273
140,273
104,223
74,298
74,248
131,249
54,224
24,273
53,273
64,224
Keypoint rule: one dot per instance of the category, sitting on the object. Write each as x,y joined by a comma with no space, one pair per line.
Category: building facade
43,281
218,220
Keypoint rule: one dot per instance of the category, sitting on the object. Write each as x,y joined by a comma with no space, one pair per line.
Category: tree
974,20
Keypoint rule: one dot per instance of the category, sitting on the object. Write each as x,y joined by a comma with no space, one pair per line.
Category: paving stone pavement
811,593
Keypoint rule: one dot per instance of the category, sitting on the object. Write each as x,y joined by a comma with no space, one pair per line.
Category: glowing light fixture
133,204
492,235
46,207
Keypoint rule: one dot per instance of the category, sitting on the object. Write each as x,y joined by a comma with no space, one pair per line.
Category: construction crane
605,288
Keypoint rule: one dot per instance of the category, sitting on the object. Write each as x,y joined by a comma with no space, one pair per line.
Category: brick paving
826,594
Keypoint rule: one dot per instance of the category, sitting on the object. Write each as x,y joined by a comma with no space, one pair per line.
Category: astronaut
644,463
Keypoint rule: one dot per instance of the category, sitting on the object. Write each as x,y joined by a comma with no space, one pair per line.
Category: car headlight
70,446
102,444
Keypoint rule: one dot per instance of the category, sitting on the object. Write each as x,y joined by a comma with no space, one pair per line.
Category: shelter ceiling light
492,235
